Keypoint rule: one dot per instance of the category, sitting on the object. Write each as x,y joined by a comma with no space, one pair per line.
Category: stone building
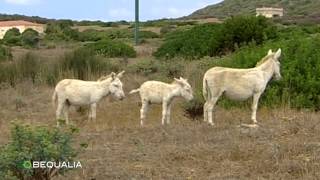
269,12
21,25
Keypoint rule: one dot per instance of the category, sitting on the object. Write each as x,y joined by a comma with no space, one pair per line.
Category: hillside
293,8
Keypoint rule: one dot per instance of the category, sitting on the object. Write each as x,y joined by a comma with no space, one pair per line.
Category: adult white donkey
155,92
239,84
77,92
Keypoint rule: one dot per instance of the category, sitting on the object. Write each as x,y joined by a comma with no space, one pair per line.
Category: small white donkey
155,92
239,84
77,92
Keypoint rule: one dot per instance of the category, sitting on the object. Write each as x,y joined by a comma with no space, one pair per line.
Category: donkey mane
102,78
263,60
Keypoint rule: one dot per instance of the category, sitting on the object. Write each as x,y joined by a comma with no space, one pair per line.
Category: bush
82,64
200,41
61,30
35,144
216,39
148,35
5,53
12,37
112,48
167,29
92,35
30,38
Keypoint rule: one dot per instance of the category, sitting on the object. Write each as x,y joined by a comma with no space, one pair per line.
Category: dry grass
286,146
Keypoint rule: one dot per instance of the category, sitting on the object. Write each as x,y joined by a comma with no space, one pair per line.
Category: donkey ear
270,52
278,54
113,75
120,75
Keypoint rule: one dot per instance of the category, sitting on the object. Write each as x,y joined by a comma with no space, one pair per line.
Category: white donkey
239,84
155,92
77,92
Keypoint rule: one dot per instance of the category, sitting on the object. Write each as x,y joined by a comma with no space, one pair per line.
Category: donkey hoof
211,124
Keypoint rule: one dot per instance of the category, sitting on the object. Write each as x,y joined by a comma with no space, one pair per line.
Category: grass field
286,146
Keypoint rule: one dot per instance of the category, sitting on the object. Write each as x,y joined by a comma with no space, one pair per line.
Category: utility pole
136,32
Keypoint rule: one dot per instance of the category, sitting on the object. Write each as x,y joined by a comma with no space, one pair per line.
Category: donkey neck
175,89
104,86
268,69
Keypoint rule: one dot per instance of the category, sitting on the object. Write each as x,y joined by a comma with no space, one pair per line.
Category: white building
21,25
269,12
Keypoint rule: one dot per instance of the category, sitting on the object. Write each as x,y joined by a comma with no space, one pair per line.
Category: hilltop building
21,25
269,12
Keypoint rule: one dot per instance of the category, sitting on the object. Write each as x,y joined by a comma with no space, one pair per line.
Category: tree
12,37
30,38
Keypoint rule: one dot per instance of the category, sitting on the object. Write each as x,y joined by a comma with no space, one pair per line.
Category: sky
105,10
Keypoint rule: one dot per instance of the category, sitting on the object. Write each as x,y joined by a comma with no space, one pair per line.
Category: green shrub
112,48
200,41
35,144
145,67
92,35
148,35
61,30
216,39
12,37
167,69
30,38
167,29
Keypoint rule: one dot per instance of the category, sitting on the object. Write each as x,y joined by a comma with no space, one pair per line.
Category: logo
27,164
51,164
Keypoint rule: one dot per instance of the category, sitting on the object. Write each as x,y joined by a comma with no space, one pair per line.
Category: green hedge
112,48
217,39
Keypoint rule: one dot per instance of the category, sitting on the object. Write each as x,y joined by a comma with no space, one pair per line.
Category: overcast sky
106,10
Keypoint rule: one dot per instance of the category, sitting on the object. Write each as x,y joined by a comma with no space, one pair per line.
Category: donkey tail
206,90
134,91
54,98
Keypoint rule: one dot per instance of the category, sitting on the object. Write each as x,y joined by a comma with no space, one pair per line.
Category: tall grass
79,64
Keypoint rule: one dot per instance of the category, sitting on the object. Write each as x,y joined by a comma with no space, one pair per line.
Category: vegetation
5,53
112,48
216,39
299,87
35,144
294,9
30,38
12,37
61,30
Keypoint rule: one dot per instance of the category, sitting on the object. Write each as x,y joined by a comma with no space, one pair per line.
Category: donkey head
186,89
115,86
276,63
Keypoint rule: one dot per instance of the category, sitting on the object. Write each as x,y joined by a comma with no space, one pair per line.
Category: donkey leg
66,113
59,112
93,109
164,112
143,112
168,113
210,109
254,107
205,111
